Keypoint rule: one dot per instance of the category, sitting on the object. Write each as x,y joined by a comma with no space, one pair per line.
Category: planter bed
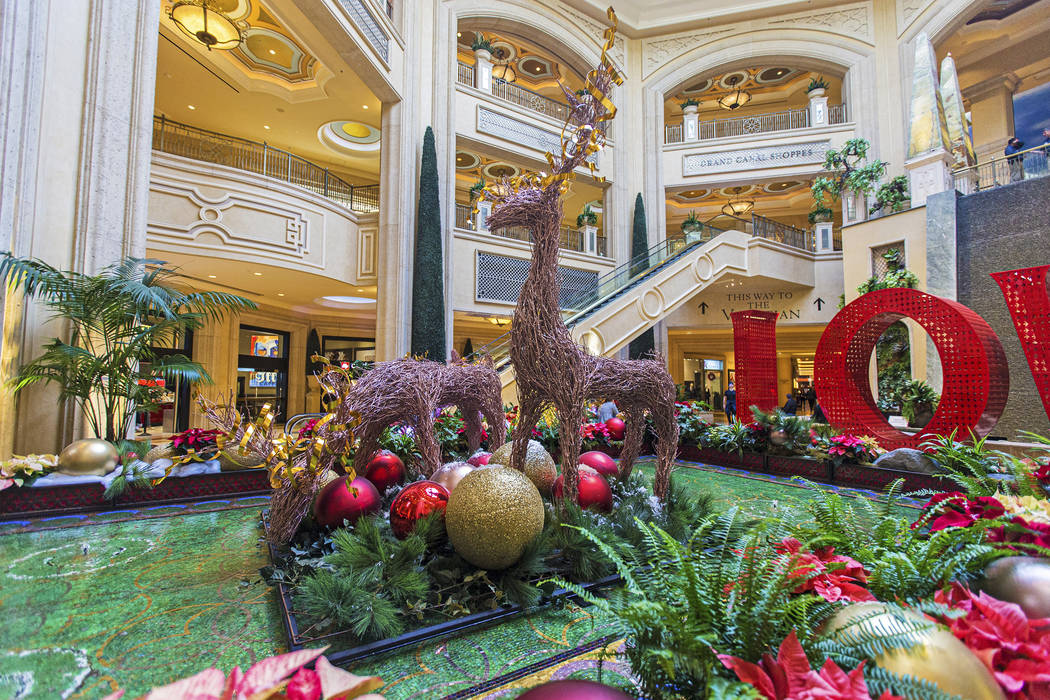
806,467
17,502
343,657
877,478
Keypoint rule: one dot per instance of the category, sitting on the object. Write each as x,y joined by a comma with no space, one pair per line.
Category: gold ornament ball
539,465
451,474
92,457
1021,580
492,515
937,656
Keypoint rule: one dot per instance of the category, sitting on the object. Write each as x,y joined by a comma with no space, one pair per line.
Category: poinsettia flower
790,677
960,511
833,577
1015,649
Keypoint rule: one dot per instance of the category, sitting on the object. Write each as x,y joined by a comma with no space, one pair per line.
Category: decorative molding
510,129
367,253
660,51
361,15
595,30
908,11
783,155
854,21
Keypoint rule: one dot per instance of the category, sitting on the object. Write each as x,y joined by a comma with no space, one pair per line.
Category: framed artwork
732,375
265,346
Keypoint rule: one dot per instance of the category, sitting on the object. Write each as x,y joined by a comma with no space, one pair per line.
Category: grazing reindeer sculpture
550,367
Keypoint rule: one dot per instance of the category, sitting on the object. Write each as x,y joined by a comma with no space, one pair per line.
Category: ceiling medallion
197,20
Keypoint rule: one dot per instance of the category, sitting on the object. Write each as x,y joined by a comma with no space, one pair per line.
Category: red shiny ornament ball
593,490
339,501
480,459
415,501
571,689
617,428
601,463
385,470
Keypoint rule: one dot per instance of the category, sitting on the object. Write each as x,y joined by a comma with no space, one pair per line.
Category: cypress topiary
428,281
646,342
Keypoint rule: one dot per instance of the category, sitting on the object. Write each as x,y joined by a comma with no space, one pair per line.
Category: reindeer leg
632,444
570,418
529,414
666,428
369,434
497,421
471,427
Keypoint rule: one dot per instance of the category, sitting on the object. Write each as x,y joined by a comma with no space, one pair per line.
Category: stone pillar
482,217
854,207
589,244
483,70
690,123
818,107
929,173
992,114
824,233
785,385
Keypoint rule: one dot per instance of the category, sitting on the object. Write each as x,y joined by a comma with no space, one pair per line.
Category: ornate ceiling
785,189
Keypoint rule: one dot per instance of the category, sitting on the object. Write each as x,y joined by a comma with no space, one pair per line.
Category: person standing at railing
1014,158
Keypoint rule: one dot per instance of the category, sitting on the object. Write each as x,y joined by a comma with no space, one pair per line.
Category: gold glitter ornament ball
539,465
90,457
937,656
492,515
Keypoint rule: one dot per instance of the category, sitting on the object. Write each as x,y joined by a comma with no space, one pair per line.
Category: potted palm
918,401
691,227
820,215
107,366
817,87
690,106
587,217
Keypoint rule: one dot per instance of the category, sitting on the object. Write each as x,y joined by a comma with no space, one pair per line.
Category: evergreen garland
428,280
644,344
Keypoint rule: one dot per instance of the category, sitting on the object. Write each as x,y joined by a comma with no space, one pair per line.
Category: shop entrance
171,413
262,371
705,380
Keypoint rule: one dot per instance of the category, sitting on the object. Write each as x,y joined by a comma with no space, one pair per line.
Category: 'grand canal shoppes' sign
755,158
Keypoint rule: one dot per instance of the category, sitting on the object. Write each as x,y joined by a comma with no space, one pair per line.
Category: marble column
818,107
992,114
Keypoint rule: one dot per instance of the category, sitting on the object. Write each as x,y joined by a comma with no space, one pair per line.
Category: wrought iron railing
516,94
571,238
1025,165
754,124
232,151
770,229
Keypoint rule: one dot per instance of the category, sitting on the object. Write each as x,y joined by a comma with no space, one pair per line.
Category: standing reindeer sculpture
551,368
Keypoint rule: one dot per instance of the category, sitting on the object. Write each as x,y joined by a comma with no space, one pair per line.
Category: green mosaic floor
138,599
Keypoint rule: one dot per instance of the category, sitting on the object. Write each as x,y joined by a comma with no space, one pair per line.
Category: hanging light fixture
502,70
738,207
197,20
736,99
499,321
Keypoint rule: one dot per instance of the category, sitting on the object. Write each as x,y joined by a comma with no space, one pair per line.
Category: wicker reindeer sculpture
551,368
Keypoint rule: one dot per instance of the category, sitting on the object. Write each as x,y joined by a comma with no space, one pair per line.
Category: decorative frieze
506,127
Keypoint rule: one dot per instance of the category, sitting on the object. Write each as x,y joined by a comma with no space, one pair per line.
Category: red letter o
976,378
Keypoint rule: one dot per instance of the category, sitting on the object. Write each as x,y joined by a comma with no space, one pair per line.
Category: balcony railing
571,238
759,227
235,152
754,124
1026,165
516,94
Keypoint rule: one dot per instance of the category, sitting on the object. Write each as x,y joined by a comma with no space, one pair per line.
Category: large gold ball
91,457
451,474
492,515
1021,580
937,656
539,465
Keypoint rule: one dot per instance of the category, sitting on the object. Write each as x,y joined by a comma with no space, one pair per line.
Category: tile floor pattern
140,598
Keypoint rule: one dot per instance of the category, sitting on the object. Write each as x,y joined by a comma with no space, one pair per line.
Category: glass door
262,372
171,412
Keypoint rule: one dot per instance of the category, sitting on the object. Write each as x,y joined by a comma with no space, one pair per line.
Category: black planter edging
28,501
417,636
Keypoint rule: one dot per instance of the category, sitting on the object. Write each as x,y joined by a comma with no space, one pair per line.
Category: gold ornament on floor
492,515
1021,580
91,457
539,465
937,657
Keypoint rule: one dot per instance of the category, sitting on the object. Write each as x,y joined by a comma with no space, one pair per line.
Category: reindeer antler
520,200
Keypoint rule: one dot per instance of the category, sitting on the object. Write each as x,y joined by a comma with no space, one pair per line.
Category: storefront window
262,371
171,412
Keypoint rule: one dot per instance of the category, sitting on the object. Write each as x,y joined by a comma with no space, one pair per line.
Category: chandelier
738,207
502,70
736,99
201,23
499,321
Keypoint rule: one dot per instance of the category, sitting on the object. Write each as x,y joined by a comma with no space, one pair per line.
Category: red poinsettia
833,577
959,511
195,439
790,677
1015,649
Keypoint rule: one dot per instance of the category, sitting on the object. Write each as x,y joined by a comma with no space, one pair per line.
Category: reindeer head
533,199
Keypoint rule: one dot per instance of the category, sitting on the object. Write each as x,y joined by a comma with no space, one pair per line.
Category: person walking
790,406
607,411
729,403
1014,158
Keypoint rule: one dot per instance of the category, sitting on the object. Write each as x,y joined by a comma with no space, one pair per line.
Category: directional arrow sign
819,302
703,308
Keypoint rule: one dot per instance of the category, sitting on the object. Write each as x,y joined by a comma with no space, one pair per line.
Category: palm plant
115,318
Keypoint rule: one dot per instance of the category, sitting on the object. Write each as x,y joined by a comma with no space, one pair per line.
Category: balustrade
570,238
754,124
